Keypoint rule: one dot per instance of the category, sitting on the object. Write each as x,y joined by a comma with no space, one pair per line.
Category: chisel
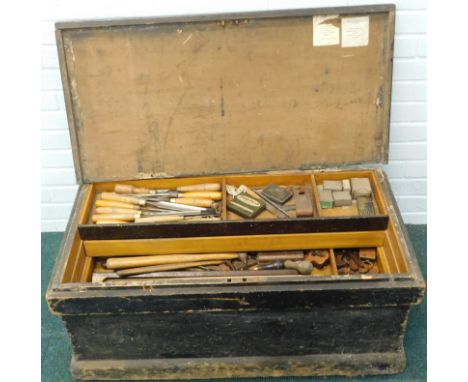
124,217
104,276
116,210
112,203
159,219
128,189
108,221
177,206
122,198
149,211
200,187
193,202
201,195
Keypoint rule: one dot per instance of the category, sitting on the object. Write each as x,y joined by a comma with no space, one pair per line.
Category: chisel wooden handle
193,202
200,187
128,189
124,217
159,219
111,222
213,195
142,261
122,198
167,267
111,203
115,210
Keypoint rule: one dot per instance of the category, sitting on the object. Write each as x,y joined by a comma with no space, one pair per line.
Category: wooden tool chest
258,105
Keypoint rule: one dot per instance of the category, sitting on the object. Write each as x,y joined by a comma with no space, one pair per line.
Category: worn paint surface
301,366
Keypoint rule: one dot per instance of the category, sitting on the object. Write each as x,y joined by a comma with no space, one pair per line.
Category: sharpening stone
326,198
342,198
332,185
346,185
360,187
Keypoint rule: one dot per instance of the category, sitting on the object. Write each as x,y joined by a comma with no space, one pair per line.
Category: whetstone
303,201
326,198
346,185
342,198
365,206
360,187
332,185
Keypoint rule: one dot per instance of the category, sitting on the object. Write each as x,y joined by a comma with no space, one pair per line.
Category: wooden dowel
141,261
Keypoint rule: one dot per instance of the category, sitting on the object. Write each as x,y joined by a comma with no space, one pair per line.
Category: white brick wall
407,166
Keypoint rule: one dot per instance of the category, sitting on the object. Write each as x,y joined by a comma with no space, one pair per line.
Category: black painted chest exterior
235,326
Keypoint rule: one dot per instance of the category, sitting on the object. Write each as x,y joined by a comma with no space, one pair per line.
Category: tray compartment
258,182
158,184
88,253
330,270
320,177
266,223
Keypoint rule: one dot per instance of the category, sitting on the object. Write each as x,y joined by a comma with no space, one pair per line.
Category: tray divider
224,200
315,197
378,198
333,266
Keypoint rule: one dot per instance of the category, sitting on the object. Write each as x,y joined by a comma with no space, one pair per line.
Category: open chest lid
214,94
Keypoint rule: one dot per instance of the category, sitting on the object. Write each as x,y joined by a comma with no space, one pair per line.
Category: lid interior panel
211,97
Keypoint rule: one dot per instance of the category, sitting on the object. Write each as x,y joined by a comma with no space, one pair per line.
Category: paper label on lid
326,30
354,31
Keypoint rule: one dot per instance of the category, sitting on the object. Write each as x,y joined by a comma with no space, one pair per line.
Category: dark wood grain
276,332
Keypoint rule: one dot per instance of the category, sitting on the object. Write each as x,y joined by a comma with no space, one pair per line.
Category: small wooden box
252,99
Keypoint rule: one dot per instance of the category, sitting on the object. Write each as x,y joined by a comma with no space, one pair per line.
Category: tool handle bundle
128,204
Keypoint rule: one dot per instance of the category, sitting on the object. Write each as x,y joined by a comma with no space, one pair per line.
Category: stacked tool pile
249,203
356,261
342,193
274,263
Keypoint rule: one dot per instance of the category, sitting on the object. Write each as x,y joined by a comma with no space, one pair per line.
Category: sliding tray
232,224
